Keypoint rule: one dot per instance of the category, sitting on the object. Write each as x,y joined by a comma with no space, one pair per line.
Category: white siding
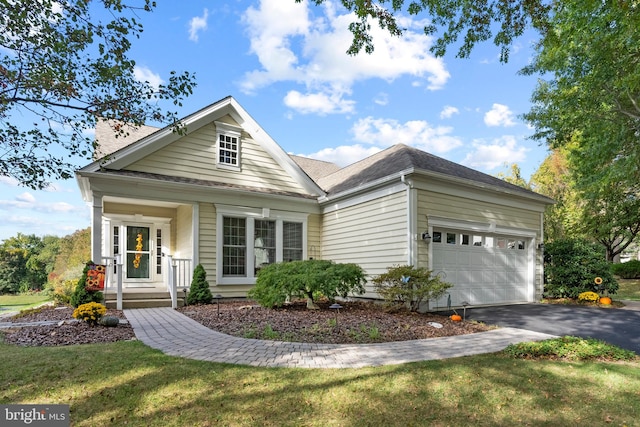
372,234
194,156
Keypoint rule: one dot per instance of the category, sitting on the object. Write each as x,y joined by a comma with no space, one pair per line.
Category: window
464,239
437,237
228,142
159,251
251,239
477,240
264,246
292,241
234,247
451,238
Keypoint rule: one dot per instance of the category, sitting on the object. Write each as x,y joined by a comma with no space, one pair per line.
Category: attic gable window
228,143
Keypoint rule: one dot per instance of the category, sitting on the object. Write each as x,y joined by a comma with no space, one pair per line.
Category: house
224,194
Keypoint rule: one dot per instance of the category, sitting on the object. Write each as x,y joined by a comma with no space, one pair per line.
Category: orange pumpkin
456,317
605,300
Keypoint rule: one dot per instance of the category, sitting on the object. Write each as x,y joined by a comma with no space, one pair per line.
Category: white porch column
96,229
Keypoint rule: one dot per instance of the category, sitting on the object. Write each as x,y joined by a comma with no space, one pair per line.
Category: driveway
615,326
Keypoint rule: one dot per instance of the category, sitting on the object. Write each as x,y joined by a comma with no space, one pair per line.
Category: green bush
569,348
571,266
627,270
199,292
82,296
309,279
408,286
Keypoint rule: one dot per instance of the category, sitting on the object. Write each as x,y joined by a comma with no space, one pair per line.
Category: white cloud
318,103
448,111
10,181
345,154
26,197
499,115
381,99
198,24
144,74
294,46
416,133
495,154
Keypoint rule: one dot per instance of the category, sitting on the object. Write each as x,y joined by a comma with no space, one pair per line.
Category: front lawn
129,383
21,302
629,289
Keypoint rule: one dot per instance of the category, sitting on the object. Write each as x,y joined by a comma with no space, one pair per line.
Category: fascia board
367,187
539,198
131,187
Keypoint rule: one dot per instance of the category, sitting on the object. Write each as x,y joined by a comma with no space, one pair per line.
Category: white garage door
484,268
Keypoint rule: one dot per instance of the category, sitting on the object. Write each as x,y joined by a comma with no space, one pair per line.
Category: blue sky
286,65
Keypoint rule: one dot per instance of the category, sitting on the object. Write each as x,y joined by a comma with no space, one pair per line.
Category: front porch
120,292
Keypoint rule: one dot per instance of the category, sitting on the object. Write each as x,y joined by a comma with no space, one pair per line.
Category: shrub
82,296
90,312
571,266
588,297
309,279
408,286
627,270
569,348
199,293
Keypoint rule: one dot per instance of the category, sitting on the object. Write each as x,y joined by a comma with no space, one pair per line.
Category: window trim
251,214
225,129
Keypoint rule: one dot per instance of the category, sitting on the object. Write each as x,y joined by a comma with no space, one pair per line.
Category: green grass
21,302
629,289
127,382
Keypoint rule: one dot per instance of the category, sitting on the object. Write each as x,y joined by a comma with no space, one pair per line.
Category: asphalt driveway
615,326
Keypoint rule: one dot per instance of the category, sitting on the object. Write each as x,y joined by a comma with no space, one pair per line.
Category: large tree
473,20
61,69
590,98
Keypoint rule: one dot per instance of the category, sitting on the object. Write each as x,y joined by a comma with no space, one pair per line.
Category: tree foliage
199,292
571,266
61,69
410,287
25,261
472,20
590,98
306,279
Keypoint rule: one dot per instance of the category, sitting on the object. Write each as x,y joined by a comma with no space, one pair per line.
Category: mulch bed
355,323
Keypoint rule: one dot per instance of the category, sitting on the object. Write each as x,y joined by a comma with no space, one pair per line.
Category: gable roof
160,138
316,169
402,159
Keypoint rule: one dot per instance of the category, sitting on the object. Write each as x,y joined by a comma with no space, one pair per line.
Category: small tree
571,266
199,292
407,286
81,295
308,279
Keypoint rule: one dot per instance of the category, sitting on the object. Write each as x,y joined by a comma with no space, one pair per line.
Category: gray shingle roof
402,157
316,169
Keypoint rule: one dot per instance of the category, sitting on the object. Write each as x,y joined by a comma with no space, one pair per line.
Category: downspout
411,225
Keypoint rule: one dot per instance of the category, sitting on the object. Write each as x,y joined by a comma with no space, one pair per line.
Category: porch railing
180,276
112,263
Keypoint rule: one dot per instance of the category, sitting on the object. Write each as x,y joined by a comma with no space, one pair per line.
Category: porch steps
142,299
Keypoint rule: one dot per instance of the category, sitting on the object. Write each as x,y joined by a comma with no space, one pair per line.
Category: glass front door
138,252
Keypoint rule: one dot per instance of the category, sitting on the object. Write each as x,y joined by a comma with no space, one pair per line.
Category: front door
138,255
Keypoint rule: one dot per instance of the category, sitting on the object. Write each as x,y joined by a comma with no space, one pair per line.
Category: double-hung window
228,146
250,239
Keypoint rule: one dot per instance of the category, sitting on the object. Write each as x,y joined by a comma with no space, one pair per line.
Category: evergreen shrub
199,292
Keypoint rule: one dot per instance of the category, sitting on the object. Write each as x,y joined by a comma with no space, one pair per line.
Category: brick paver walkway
175,334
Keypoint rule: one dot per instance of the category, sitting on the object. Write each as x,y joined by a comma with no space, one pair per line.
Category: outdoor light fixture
541,246
217,298
426,237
